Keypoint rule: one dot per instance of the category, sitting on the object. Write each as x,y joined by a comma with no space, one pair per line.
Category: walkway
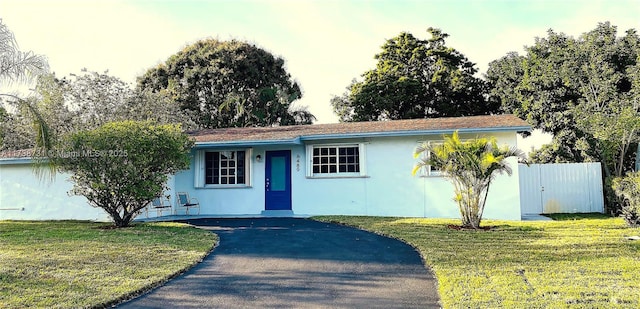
298,263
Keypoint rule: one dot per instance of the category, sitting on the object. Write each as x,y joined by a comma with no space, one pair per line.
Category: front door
278,180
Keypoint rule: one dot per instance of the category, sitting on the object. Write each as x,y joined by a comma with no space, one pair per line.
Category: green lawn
71,264
576,263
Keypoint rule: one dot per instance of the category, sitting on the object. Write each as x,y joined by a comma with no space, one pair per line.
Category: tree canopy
86,101
584,90
229,84
415,78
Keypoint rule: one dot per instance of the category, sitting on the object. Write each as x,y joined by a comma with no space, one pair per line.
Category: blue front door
278,180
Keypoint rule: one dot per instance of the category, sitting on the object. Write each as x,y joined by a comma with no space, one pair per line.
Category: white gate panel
561,188
530,198
595,187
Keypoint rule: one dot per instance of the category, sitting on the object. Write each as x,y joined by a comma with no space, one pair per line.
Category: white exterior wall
37,199
234,201
388,189
24,196
505,189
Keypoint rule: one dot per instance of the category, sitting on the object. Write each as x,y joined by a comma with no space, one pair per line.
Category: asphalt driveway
298,263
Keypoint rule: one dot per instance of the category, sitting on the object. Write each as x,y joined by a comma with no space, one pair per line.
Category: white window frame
361,161
428,170
200,172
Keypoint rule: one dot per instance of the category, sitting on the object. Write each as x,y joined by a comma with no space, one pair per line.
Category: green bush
121,166
627,188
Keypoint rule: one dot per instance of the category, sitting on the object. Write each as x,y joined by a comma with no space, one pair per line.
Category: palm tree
470,166
22,67
17,66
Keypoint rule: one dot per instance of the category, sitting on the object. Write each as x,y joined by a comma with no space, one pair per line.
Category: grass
581,262
71,264
577,216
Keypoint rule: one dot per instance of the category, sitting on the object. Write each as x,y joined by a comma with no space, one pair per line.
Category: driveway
298,263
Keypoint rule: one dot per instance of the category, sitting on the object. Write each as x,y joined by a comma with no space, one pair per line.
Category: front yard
578,262
582,263
72,264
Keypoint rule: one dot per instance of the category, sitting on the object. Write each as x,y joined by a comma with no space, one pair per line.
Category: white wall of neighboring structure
24,196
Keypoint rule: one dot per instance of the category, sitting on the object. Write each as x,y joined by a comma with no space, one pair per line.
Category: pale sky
325,44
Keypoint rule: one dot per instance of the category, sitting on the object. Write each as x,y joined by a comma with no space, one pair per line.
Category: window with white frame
429,170
224,167
229,168
343,160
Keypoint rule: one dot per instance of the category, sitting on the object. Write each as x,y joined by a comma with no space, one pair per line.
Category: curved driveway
298,263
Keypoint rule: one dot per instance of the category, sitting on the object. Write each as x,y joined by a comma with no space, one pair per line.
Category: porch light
258,158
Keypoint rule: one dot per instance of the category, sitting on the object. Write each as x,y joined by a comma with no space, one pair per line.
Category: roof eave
250,143
412,133
301,139
8,161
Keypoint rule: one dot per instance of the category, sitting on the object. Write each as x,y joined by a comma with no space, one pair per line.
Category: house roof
13,154
300,133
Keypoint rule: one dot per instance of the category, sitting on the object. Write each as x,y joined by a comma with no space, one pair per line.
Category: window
429,170
336,160
222,168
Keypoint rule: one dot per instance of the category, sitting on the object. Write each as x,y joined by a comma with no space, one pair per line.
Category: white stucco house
361,168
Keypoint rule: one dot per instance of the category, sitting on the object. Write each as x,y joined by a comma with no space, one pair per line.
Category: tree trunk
638,158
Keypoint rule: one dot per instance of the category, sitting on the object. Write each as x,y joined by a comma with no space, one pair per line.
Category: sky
325,44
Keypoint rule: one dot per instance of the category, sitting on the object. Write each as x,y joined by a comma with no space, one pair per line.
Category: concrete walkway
298,263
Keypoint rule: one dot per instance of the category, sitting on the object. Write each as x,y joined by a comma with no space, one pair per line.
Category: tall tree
582,90
606,75
16,129
97,98
228,84
415,78
86,101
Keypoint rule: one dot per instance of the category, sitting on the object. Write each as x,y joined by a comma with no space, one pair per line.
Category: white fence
561,188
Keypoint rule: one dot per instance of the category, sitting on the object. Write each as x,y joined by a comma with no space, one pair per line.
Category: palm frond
44,139
17,66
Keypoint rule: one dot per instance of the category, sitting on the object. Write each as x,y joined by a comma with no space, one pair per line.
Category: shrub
121,166
627,188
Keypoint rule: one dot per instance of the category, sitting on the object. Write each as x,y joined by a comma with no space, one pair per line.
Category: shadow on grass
577,216
508,244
